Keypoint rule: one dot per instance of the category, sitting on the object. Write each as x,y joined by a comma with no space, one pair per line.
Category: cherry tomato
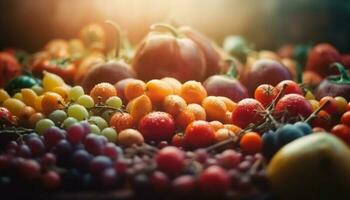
293,105
345,119
331,108
246,112
265,93
342,103
251,143
291,87
343,132
322,120
199,134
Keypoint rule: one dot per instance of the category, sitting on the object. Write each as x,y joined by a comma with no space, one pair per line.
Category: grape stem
314,114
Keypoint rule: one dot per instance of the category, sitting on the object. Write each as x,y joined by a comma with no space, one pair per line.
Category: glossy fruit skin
9,68
331,107
329,88
261,73
251,143
223,85
342,131
294,105
20,82
167,55
265,94
110,72
291,87
211,55
214,181
199,134
321,57
170,160
120,86
157,126
5,114
246,112
345,118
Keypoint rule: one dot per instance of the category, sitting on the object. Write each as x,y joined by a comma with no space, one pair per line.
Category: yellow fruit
29,97
197,110
316,166
139,107
174,83
3,96
193,92
18,96
134,88
157,90
174,104
314,104
215,108
37,103
15,106
62,90
50,102
230,105
50,81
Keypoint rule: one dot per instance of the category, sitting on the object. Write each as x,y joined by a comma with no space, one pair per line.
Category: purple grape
183,185
12,145
48,159
93,144
81,159
76,133
29,169
160,181
31,135
52,136
111,151
63,150
86,127
99,164
24,151
36,145
108,178
201,155
51,180
229,159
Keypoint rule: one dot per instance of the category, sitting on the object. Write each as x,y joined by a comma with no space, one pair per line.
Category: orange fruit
215,108
139,107
216,125
193,92
184,118
102,91
197,110
174,104
174,83
134,89
51,101
230,105
120,121
157,90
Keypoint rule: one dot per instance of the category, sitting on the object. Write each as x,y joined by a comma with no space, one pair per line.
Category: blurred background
29,24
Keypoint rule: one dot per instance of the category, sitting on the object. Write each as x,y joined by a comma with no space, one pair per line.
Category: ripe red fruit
246,112
343,132
183,185
5,114
293,105
229,159
178,140
265,94
51,180
345,118
321,57
251,143
214,181
9,68
199,134
290,88
160,181
170,160
331,108
157,126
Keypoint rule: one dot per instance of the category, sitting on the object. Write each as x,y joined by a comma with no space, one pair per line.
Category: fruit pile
160,121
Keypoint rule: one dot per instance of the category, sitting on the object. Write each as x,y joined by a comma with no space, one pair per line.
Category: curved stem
232,71
118,39
174,31
314,114
344,76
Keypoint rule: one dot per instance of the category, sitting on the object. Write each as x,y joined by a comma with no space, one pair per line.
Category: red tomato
5,114
345,118
9,68
157,126
291,87
343,132
265,93
178,140
199,134
246,112
251,143
293,105
323,120
331,108
321,57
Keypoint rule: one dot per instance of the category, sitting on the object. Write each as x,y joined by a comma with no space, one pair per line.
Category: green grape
58,116
42,125
114,102
95,129
68,122
86,101
75,92
99,121
77,111
38,89
110,134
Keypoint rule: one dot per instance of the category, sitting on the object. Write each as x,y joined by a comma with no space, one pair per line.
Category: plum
264,71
